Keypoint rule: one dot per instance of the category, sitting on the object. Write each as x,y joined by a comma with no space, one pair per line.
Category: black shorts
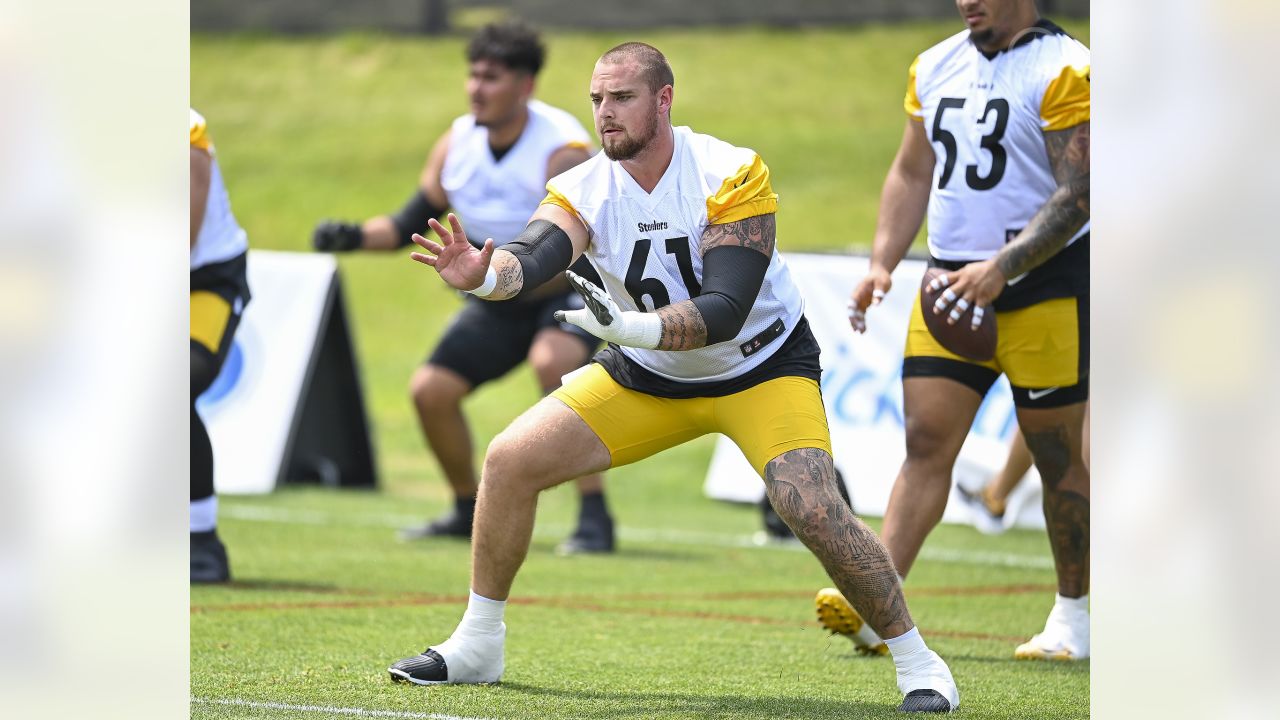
486,340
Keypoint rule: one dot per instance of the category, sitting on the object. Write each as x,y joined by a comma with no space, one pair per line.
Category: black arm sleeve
413,217
544,251
731,279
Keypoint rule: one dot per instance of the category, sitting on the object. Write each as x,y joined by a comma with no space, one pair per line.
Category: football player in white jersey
219,292
706,334
491,167
996,148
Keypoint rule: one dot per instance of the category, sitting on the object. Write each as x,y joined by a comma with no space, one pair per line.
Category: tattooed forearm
801,486
757,233
510,275
1066,511
1066,211
682,327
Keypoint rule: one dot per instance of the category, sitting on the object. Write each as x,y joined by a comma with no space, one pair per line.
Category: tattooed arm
1066,211
735,256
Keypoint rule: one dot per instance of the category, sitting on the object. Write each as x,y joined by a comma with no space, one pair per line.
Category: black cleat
209,559
930,701
454,524
594,535
425,669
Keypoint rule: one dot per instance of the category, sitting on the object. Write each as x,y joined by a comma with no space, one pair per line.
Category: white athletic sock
483,616
1073,607
908,649
204,514
920,668
474,652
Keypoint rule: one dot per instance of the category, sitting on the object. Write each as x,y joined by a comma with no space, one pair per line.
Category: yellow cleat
1065,637
839,618
1037,648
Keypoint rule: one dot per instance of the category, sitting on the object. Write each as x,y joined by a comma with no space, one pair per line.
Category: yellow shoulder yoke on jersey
1066,100
199,133
911,103
555,197
744,194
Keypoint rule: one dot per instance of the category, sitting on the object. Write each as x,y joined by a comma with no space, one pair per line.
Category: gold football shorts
1042,348
764,421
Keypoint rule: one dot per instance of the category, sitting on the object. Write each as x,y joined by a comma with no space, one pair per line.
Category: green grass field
689,620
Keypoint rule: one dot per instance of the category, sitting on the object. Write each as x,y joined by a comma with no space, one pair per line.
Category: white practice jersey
495,198
985,117
220,237
645,246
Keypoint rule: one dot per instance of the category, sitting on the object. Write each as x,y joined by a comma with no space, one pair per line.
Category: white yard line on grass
263,513
327,709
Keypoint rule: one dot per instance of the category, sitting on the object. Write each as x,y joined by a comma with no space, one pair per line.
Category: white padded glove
603,318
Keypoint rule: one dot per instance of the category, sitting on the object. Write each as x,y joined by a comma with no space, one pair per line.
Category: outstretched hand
459,263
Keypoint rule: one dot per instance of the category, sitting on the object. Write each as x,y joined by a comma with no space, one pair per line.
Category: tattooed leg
1054,437
801,486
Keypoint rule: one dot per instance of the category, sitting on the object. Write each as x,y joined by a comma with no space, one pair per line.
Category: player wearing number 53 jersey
706,335
997,147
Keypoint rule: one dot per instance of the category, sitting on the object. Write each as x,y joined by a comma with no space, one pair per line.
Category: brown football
977,344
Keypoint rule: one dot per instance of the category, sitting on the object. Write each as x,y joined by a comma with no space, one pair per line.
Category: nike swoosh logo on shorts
1037,394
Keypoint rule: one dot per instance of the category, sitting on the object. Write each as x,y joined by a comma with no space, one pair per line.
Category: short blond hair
654,67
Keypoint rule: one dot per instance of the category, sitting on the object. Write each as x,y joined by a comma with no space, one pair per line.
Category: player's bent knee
435,388
1057,458
931,442
802,490
511,465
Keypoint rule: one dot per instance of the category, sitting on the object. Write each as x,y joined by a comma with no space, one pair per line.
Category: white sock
483,616
920,668
1072,611
1074,606
204,514
908,649
474,651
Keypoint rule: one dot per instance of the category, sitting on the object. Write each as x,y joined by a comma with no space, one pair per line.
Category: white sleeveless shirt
495,199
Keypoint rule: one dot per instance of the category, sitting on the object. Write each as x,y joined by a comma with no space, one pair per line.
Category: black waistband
948,264
1066,274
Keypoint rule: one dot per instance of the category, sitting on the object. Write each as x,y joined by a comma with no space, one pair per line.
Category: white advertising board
250,408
